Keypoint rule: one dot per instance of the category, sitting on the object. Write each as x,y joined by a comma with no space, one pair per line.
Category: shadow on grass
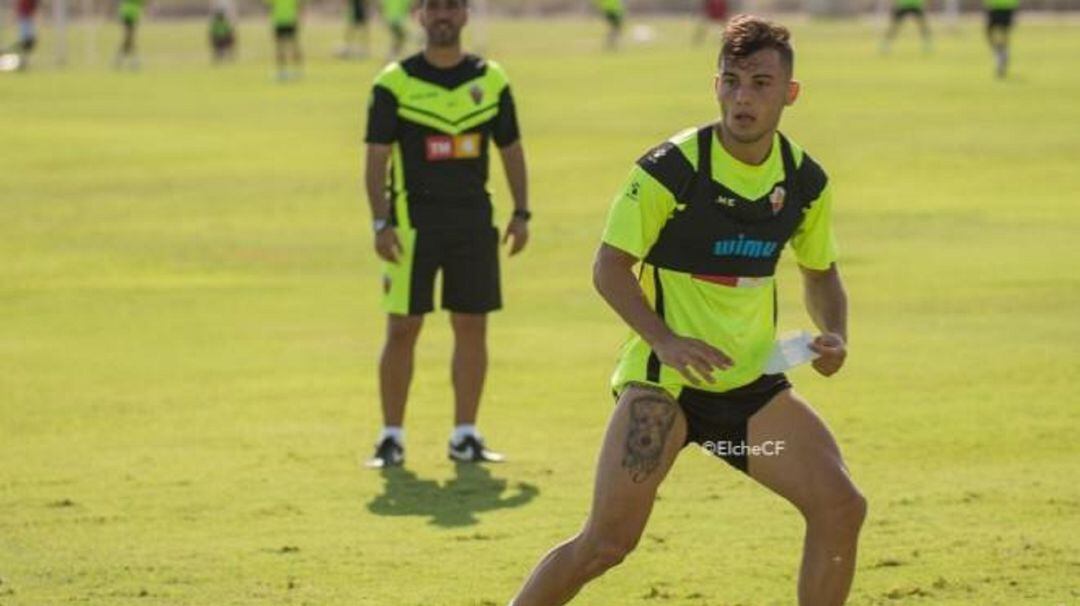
472,490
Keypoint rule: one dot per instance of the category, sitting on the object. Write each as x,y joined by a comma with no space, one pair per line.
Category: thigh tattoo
651,418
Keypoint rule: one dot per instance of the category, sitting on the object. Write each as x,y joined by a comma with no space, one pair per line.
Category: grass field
189,327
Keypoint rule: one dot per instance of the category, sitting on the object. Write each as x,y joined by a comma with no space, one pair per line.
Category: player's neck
753,153
443,57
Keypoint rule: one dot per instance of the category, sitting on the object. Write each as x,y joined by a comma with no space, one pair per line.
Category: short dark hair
747,34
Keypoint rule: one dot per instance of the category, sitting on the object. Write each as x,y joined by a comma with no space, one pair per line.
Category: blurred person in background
713,14
24,18
357,39
222,36
130,14
615,14
901,10
395,13
285,15
999,21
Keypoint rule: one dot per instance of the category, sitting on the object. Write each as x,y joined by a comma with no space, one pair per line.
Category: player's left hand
832,349
517,234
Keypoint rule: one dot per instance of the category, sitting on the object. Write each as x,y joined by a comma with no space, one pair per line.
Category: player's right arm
387,245
633,226
382,131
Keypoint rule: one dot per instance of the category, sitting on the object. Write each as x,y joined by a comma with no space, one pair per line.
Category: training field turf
189,327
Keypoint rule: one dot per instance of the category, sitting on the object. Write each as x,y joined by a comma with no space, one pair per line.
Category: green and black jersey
440,122
710,230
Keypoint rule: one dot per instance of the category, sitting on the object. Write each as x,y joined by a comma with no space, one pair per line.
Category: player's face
753,91
443,21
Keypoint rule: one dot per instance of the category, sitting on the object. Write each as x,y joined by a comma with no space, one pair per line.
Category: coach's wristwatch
379,225
522,214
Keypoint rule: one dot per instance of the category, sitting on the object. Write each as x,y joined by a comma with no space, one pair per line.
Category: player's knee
843,511
604,553
403,330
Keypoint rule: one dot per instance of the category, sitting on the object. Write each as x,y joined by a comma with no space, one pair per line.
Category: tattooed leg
651,418
645,434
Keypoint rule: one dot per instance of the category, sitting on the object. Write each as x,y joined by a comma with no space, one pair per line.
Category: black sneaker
471,449
388,453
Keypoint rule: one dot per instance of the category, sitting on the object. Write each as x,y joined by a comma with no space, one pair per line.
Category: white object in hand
791,350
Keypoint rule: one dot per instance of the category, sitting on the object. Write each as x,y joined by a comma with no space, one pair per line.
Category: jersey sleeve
382,121
505,131
814,242
638,213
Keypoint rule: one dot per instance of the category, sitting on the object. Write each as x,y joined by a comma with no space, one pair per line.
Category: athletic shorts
357,11
719,421
614,18
466,258
1000,17
900,13
284,31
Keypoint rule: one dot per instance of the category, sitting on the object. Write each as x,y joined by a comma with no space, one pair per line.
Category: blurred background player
713,13
614,14
999,21
222,36
901,9
357,39
395,12
285,15
24,17
130,14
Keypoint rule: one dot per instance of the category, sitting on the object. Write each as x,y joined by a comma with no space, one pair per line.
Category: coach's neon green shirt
1001,4
910,4
739,320
610,6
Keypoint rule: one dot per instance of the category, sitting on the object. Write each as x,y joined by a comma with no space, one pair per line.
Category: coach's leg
644,436
469,364
810,473
396,366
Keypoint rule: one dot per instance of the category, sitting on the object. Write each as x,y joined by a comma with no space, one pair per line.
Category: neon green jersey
735,311
131,9
1001,4
919,4
284,12
610,6
395,11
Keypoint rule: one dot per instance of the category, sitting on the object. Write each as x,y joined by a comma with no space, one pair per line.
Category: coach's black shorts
466,258
900,13
285,31
718,421
1000,17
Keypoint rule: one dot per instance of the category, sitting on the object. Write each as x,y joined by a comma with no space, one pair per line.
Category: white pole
60,22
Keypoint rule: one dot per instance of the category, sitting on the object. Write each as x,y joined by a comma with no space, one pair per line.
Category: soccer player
285,15
901,9
999,21
357,42
395,12
24,16
706,215
222,36
431,118
713,12
130,14
614,13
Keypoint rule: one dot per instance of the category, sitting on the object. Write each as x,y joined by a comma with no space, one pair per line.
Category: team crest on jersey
476,93
776,199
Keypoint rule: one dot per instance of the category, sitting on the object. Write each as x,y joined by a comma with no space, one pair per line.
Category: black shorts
614,18
1000,17
285,31
358,11
900,13
719,421
467,258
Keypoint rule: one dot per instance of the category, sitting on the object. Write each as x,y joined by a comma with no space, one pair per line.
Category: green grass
189,326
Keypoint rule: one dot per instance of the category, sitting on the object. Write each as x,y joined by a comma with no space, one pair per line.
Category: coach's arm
387,245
